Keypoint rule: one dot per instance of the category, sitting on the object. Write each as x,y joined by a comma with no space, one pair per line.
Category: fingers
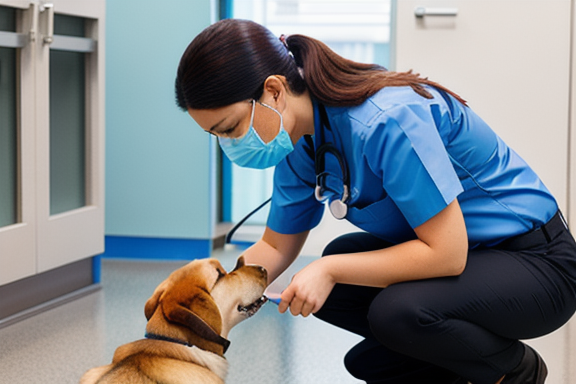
308,290
286,299
296,305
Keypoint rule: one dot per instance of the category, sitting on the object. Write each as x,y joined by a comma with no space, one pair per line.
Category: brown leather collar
214,338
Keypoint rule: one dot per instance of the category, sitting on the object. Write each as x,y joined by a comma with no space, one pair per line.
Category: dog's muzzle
250,310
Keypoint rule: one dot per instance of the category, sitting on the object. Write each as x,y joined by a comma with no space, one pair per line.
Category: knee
400,323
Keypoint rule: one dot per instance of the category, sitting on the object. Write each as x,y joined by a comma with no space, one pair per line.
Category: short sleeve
403,147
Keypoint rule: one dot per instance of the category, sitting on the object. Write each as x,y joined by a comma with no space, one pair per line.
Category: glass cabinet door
70,132
17,142
51,134
8,124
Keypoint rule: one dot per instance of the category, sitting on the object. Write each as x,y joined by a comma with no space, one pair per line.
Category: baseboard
27,297
61,300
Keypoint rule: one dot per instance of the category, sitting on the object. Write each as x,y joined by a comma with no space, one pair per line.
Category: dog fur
189,317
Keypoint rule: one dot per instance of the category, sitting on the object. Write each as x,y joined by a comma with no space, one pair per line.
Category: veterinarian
464,251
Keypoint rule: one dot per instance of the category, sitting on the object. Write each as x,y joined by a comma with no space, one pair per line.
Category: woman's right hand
308,290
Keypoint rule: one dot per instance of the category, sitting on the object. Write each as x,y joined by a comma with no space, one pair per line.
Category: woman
464,250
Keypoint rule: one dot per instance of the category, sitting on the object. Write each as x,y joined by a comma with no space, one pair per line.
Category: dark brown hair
229,61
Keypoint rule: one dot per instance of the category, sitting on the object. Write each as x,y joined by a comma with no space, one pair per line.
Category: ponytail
336,81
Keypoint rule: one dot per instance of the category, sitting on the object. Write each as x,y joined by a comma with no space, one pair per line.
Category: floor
59,345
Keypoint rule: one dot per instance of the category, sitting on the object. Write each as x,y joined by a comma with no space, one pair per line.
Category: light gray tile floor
59,345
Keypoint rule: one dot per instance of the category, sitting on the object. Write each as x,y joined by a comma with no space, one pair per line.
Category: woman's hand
308,290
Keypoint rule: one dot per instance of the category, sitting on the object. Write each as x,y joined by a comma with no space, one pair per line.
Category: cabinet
510,59
51,135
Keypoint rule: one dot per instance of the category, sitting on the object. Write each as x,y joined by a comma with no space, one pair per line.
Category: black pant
469,326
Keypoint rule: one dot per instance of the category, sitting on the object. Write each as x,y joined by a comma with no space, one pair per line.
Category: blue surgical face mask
251,152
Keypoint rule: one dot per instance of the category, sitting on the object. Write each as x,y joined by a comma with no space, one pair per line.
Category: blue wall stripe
96,269
156,248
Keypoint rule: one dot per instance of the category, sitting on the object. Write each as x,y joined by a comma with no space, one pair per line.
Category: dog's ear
204,320
239,263
189,303
154,300
190,299
210,270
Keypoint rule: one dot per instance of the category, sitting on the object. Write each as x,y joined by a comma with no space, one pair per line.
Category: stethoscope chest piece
339,209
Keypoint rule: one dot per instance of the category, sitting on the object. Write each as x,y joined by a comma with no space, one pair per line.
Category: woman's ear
274,94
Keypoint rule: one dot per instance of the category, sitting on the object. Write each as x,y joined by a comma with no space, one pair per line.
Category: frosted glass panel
7,19
67,122
8,126
69,25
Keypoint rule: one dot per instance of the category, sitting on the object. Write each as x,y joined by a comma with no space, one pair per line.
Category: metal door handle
423,11
47,9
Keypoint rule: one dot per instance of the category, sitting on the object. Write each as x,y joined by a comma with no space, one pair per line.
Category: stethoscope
338,207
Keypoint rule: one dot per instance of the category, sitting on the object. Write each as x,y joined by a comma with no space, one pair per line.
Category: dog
189,317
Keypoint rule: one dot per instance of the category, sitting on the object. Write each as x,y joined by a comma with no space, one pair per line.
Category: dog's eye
220,274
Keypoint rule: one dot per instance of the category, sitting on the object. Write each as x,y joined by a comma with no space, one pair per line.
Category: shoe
531,370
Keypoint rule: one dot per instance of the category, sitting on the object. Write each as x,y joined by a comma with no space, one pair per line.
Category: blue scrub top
408,158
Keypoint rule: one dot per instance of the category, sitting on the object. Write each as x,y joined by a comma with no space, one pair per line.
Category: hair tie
283,40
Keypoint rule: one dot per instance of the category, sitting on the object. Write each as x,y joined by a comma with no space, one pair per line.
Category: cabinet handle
48,9
33,22
420,12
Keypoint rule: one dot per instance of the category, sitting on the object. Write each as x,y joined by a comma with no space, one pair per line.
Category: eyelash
224,133
228,131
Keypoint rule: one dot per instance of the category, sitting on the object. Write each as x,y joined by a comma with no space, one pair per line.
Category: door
70,134
51,134
17,144
510,59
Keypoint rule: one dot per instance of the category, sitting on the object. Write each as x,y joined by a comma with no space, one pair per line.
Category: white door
70,133
51,134
510,59
17,144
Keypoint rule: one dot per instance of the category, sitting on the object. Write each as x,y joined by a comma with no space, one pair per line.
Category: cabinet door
510,59
70,133
51,134
17,143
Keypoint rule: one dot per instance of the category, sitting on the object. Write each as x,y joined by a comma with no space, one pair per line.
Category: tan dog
189,317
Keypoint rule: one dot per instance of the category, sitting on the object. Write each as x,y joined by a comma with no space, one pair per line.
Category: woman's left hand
308,290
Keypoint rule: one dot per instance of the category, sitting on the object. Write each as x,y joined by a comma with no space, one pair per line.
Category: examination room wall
157,159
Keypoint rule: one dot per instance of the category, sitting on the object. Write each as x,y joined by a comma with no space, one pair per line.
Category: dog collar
225,343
